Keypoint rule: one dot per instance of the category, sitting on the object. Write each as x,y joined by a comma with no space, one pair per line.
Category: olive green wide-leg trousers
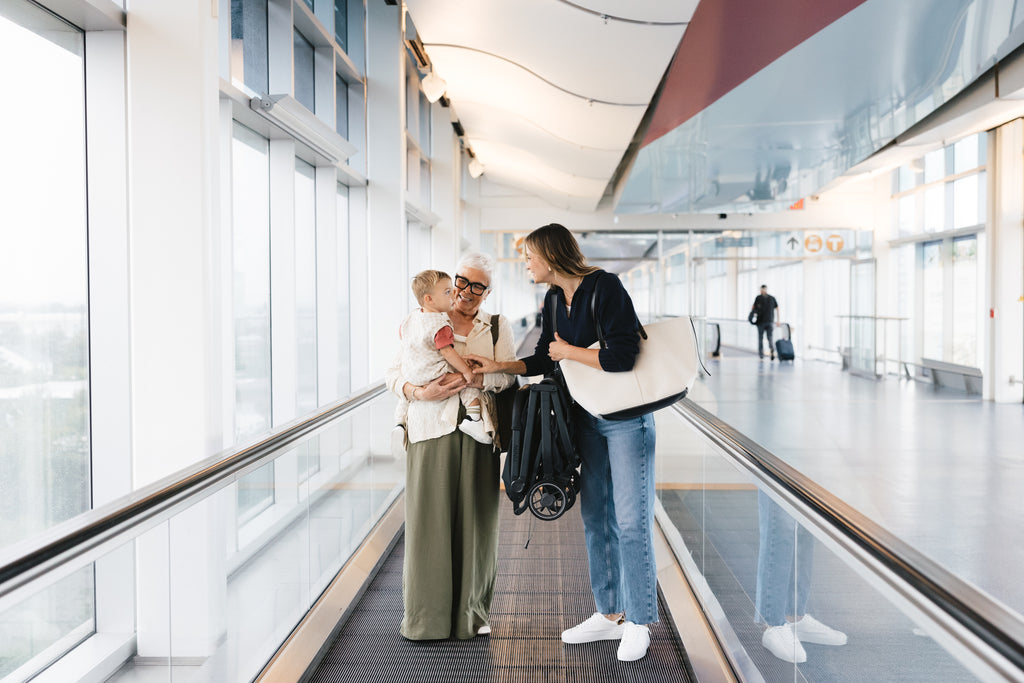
451,537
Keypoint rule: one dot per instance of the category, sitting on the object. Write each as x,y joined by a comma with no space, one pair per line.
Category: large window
932,299
344,289
940,202
305,308
965,301
45,474
251,287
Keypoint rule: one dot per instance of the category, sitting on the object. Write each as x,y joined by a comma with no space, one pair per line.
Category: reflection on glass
934,165
249,43
305,90
341,23
341,106
965,301
251,246
933,299
789,608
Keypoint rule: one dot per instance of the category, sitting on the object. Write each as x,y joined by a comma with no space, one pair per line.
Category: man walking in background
766,308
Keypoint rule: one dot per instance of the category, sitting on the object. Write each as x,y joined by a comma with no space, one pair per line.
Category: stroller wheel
547,501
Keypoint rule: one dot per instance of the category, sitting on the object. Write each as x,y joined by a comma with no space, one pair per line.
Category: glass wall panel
934,208
757,563
418,252
305,90
344,289
44,323
965,201
341,106
251,289
249,43
934,165
305,306
933,299
341,23
45,468
965,301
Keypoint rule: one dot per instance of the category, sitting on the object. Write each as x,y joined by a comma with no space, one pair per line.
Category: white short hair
478,261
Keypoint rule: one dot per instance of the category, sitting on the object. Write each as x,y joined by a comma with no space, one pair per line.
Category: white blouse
441,417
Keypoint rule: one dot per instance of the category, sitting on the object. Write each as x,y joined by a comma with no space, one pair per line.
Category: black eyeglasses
477,288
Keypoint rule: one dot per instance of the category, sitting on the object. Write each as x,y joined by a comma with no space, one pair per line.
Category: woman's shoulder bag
664,371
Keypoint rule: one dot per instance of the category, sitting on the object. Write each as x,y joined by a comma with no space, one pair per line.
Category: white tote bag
664,371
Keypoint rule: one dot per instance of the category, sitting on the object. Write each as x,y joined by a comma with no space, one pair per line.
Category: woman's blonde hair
556,245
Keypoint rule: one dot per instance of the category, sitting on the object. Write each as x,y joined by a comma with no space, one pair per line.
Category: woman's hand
441,388
481,364
560,349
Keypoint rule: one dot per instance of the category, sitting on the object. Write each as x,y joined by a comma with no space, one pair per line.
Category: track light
475,168
433,87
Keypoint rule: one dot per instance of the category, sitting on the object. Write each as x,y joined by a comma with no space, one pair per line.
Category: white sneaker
475,428
484,630
597,627
810,630
635,641
782,642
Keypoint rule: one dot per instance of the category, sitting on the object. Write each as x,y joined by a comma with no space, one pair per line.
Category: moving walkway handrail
23,564
995,625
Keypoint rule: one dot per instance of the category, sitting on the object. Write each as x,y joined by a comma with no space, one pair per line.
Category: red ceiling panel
727,42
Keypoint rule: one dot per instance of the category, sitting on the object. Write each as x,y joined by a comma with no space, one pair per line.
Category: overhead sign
734,241
834,243
813,243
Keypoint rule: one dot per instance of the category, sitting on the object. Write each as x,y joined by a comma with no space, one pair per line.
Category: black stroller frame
540,468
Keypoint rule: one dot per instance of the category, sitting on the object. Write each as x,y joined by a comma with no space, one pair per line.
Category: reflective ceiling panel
821,107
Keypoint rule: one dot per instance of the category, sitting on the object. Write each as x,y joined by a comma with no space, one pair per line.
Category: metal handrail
992,623
23,564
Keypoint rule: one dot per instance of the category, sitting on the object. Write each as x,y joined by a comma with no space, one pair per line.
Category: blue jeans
617,503
784,561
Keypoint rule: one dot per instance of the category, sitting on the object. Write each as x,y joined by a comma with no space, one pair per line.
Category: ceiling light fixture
475,168
433,87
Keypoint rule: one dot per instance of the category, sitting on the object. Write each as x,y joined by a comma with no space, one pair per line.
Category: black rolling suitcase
784,349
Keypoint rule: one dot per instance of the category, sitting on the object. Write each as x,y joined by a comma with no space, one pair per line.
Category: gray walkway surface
941,470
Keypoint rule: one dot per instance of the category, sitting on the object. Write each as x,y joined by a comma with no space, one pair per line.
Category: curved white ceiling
550,93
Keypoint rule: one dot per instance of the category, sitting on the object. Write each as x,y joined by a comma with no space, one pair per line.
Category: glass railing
184,587
740,334
762,545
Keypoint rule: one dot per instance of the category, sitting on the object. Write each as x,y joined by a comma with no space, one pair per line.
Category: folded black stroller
541,465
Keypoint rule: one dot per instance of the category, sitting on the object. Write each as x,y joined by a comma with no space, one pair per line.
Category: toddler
428,349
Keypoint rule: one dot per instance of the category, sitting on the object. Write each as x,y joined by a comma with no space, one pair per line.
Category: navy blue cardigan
618,324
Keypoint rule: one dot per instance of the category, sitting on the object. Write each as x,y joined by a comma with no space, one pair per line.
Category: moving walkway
185,588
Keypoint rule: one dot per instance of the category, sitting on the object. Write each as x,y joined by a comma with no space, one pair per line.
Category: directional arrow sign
792,243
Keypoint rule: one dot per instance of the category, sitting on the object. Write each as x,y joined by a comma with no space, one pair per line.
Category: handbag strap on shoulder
494,330
597,324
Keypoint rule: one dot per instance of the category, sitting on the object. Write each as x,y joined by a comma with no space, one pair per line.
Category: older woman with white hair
451,490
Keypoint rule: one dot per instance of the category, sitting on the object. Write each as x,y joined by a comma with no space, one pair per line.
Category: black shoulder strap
597,325
549,301
494,330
